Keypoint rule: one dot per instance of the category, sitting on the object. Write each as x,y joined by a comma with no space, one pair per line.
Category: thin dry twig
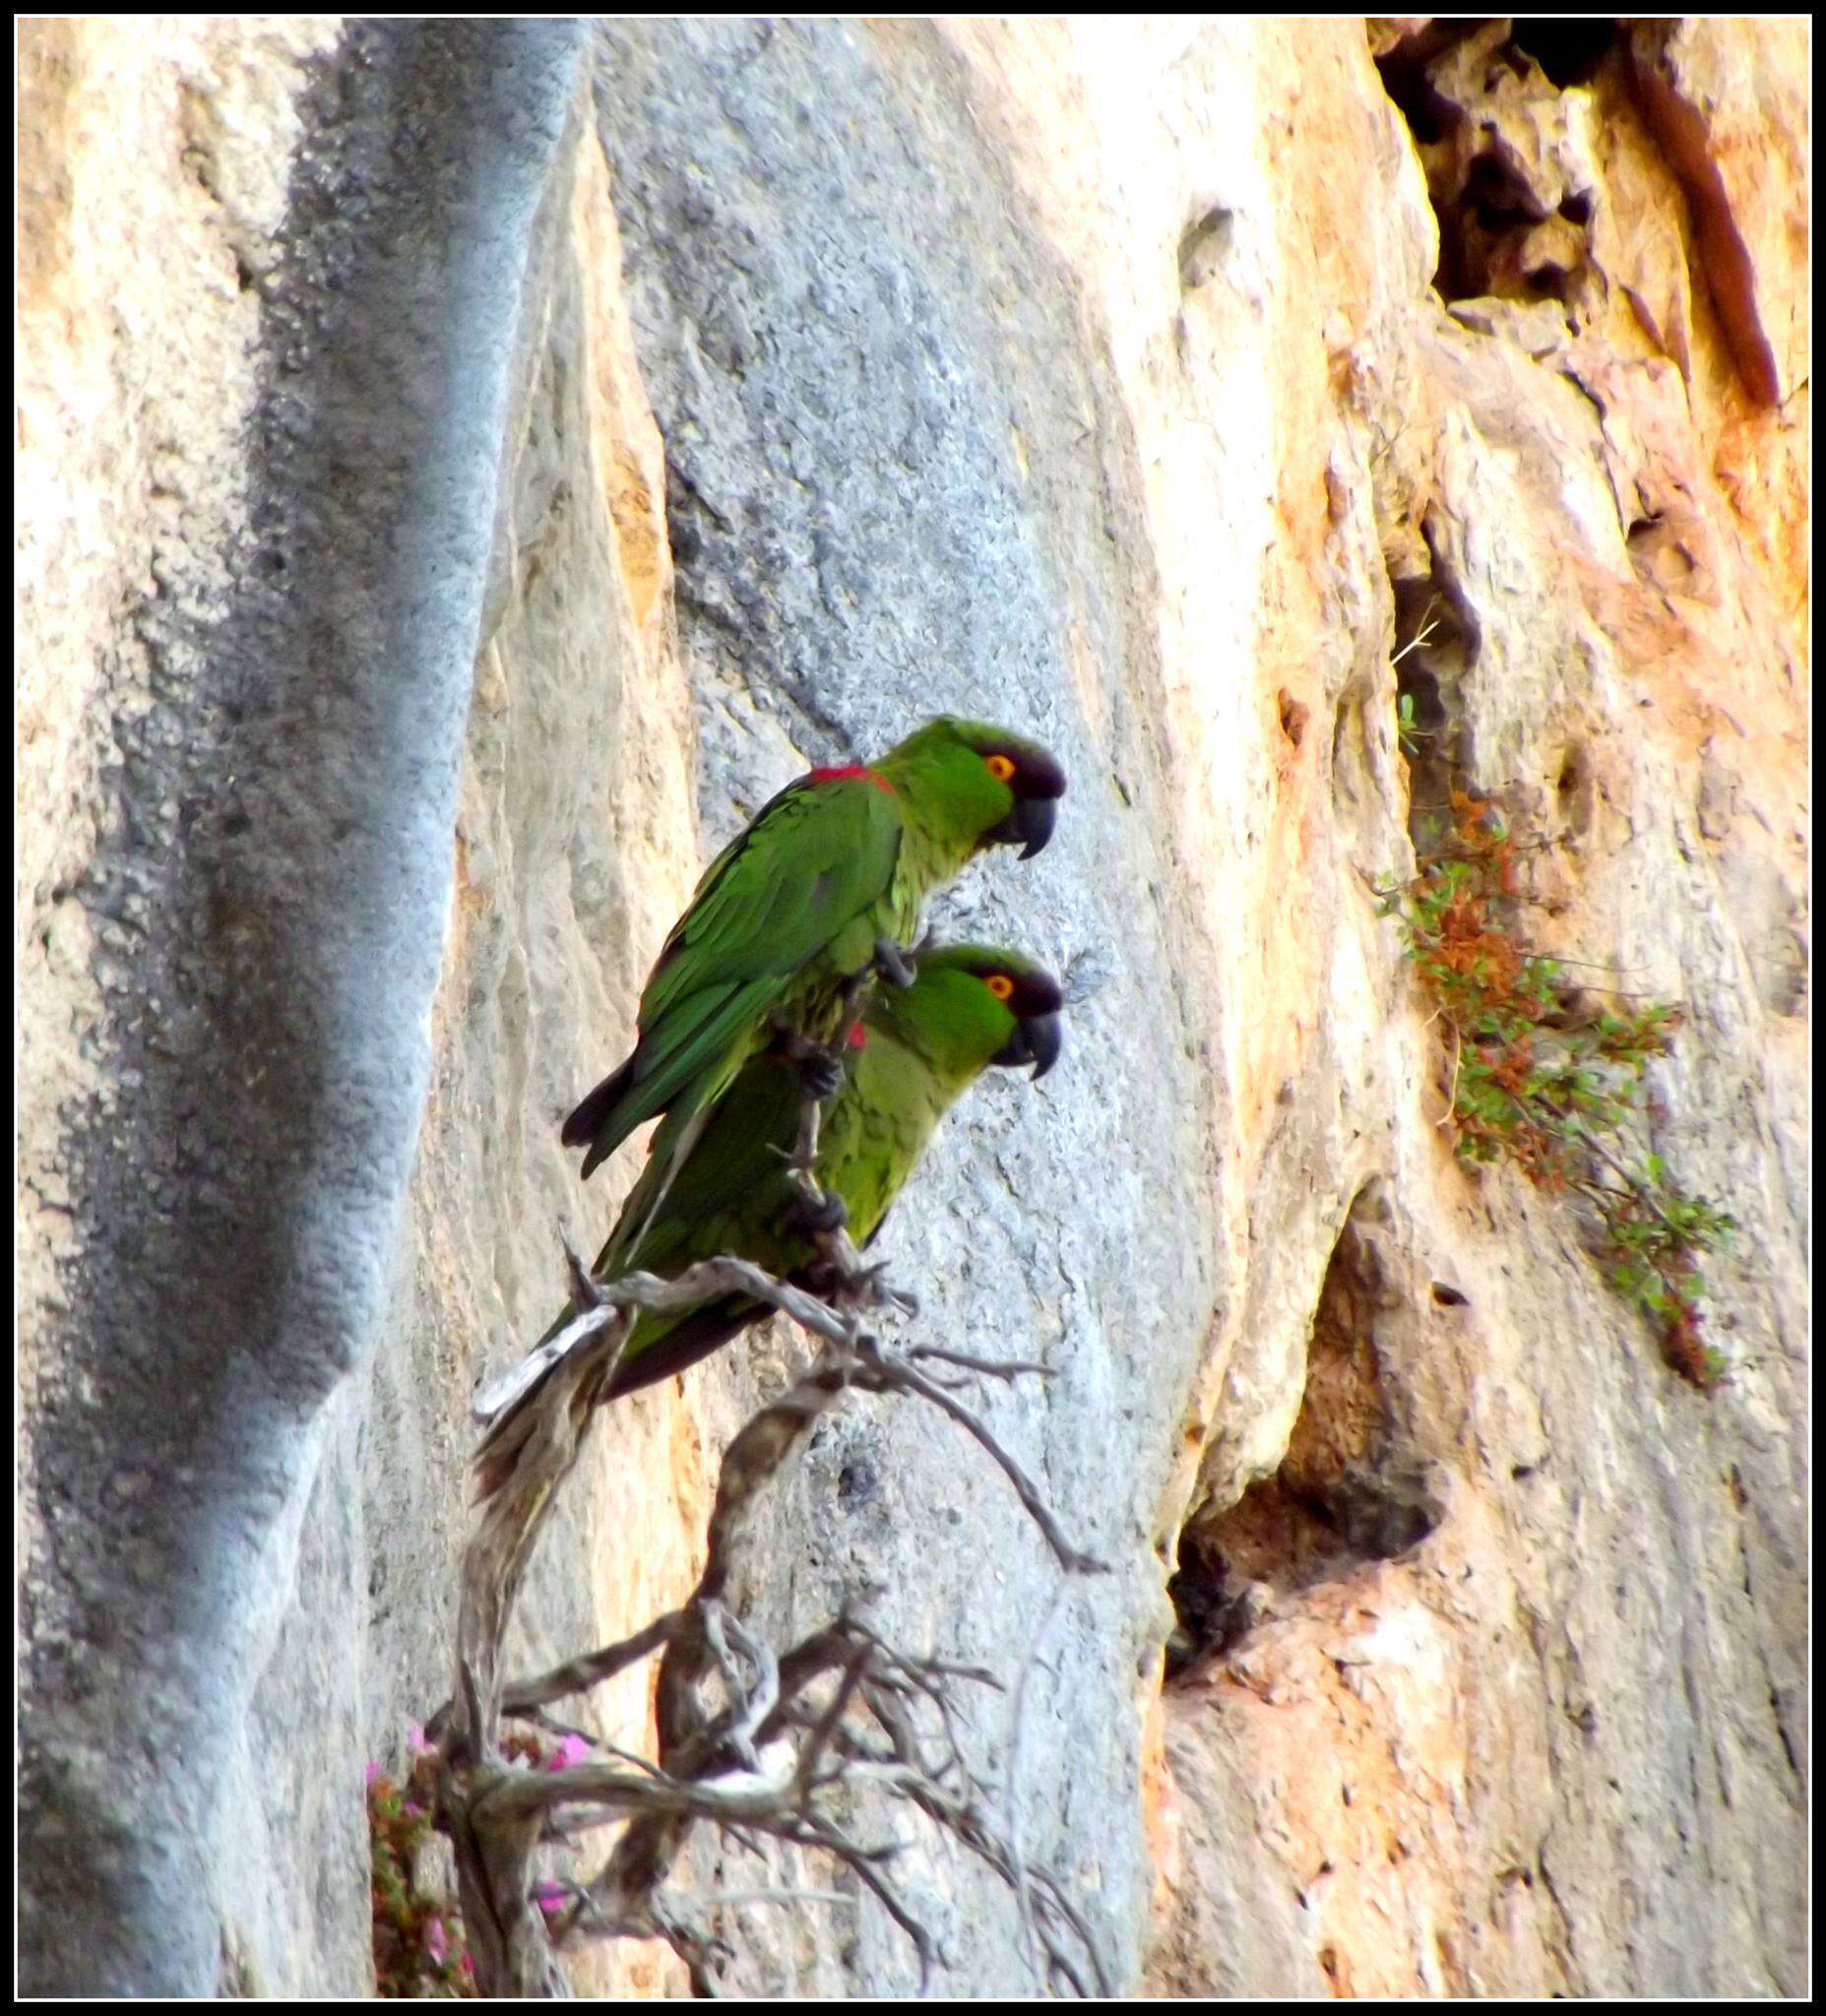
895,1372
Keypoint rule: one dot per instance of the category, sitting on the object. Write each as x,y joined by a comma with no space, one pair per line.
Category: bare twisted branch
790,1734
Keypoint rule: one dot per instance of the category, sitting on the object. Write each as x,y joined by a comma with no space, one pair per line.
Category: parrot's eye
1001,768
1000,986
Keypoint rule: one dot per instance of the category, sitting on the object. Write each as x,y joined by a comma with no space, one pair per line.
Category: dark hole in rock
1570,49
1552,281
1572,789
1497,196
1345,1491
857,1483
1210,1614
1292,718
1203,246
1429,114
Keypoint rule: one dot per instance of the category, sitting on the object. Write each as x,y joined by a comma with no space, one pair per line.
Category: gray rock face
465,470
846,355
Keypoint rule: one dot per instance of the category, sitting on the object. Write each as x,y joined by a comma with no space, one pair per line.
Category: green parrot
911,1053
827,879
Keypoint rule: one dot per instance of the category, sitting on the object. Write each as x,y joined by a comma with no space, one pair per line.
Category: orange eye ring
1000,986
1001,768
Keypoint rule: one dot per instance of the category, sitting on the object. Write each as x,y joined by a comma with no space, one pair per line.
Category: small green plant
419,1953
1411,732
1551,1093
1407,726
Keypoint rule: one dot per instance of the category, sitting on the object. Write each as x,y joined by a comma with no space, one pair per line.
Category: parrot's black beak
1045,1038
1037,1040
1029,826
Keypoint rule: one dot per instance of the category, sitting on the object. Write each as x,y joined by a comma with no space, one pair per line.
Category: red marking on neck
847,769
857,1035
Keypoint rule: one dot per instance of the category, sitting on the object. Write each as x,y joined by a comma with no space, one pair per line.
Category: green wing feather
732,1163
814,856
805,881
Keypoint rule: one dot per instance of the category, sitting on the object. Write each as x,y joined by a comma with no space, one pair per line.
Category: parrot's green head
970,1006
978,784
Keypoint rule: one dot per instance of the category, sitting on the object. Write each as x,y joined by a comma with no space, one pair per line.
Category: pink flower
415,1738
437,1941
373,1770
469,1967
551,1897
571,1750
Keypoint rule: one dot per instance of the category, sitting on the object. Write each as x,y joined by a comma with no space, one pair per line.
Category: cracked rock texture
465,469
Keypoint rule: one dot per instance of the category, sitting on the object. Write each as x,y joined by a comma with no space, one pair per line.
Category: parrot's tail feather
697,1054
696,1337
659,1174
693,1337
586,1118
498,1453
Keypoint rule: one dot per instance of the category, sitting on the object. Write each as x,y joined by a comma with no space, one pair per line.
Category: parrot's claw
820,1067
893,963
824,1211
869,1286
902,1300
820,1071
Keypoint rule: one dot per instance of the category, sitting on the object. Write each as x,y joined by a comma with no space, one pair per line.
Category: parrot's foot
840,1279
872,1283
821,1071
817,1212
893,963
820,1067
